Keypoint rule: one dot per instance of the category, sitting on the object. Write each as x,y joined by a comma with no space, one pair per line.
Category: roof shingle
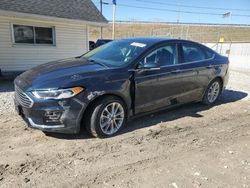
70,9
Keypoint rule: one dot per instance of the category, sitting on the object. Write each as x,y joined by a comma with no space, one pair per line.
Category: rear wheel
212,93
106,117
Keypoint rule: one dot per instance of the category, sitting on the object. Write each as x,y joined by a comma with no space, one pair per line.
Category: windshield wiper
96,62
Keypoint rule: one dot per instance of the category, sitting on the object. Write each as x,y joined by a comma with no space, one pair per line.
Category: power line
169,10
177,11
174,10
192,6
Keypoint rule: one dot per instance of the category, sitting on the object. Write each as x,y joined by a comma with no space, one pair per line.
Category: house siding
71,41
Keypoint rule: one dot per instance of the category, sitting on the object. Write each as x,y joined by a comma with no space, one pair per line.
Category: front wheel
212,93
106,117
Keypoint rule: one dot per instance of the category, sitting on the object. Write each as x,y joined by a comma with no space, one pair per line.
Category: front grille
22,98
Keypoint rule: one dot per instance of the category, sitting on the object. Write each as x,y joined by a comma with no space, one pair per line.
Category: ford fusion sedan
113,83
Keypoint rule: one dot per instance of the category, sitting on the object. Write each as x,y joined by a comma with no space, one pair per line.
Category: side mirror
151,66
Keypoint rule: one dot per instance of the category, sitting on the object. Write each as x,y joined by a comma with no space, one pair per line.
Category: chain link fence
230,40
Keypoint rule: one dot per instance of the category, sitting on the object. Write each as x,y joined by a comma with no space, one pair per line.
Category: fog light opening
52,116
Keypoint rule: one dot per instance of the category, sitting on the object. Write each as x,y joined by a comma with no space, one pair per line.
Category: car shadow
191,110
6,86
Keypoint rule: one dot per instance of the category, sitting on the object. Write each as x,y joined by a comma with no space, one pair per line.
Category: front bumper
40,115
44,127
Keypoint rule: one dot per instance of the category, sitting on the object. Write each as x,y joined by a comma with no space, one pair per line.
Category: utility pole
179,13
101,13
114,11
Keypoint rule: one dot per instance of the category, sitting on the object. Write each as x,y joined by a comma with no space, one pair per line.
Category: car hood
55,74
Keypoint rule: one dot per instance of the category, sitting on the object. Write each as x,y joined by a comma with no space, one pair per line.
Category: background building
33,32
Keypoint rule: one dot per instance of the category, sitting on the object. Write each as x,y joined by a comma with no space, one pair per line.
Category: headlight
57,94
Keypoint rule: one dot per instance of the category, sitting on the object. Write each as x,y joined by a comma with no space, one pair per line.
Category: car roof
104,39
150,41
153,40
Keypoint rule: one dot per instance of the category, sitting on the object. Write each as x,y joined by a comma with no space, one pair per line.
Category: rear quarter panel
211,69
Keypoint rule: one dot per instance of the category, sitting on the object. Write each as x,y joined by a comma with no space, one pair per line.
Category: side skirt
160,109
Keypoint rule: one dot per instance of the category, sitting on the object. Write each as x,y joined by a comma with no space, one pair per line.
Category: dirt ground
190,146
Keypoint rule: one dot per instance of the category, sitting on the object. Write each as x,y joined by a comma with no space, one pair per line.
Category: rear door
195,57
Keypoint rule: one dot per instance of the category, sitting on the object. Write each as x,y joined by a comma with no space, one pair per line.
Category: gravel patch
7,102
6,97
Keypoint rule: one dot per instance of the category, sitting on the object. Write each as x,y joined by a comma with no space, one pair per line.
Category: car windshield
116,53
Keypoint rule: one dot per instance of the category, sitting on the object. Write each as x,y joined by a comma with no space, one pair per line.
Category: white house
33,32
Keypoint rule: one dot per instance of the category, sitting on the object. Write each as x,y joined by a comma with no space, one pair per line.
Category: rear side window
192,53
209,54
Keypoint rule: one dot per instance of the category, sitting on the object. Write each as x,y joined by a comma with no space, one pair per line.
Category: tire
212,93
100,120
46,133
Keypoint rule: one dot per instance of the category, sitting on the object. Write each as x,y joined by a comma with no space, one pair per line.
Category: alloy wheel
112,118
213,92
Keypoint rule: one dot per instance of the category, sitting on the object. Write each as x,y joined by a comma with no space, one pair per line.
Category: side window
162,56
209,54
192,53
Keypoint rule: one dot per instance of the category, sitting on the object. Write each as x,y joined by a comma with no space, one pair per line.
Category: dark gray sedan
122,79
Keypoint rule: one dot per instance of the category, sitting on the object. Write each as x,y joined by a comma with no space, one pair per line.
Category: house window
33,35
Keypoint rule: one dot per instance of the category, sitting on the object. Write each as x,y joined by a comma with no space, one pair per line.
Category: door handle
176,71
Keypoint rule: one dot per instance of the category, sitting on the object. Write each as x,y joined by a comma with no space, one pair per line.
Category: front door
158,88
